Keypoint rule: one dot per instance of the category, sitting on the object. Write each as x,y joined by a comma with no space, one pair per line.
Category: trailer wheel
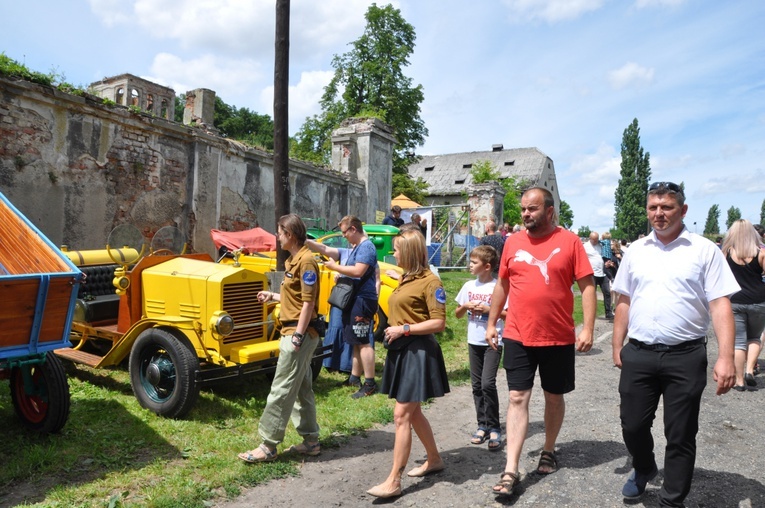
381,323
46,408
162,373
316,365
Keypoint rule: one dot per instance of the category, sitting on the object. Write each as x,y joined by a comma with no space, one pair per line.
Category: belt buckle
661,347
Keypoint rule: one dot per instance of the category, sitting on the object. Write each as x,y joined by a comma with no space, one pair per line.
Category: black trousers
605,288
680,377
484,363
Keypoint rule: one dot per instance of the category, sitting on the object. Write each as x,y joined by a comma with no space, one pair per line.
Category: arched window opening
119,96
134,97
150,103
163,110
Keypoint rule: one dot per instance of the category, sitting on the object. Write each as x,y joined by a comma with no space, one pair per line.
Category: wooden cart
38,288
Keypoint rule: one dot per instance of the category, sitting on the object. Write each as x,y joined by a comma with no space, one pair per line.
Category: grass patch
113,453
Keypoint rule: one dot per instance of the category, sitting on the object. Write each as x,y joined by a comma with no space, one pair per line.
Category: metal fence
450,237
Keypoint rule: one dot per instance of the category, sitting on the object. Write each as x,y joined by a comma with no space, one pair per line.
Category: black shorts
359,322
556,367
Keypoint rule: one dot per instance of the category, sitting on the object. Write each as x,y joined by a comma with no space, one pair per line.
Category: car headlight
223,323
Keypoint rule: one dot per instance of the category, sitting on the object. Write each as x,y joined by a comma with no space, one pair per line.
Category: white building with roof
448,175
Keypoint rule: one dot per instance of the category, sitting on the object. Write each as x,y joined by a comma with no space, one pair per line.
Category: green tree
369,81
630,195
712,226
180,105
416,190
483,172
762,214
240,124
244,125
566,215
584,232
734,214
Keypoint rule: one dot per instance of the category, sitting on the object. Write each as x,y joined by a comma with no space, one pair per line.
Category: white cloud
244,28
751,182
303,97
641,4
111,12
631,75
594,168
230,78
551,11
733,150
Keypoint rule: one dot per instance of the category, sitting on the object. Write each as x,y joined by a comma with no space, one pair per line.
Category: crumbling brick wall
78,168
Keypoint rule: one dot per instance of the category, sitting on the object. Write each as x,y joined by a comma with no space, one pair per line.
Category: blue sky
565,76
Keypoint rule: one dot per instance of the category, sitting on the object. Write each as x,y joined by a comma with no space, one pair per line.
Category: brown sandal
507,483
548,462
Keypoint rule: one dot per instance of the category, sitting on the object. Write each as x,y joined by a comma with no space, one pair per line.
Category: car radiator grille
241,302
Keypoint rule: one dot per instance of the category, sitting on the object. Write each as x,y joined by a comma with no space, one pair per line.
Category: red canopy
251,240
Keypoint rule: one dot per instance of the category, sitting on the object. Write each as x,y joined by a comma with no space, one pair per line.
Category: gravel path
593,460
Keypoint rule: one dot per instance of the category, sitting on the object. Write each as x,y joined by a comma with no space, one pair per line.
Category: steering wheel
163,252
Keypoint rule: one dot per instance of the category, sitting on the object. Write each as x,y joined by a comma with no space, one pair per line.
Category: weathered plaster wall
78,168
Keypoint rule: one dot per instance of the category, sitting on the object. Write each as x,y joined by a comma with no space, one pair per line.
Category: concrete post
486,204
363,148
200,108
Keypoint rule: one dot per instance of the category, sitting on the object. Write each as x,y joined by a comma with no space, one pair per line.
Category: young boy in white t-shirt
474,299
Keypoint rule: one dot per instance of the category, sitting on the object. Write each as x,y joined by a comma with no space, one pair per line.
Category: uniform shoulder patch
440,295
309,277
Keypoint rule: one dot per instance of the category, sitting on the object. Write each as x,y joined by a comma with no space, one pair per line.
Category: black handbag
341,295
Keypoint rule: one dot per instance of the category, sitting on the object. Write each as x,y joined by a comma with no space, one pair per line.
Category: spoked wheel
162,373
43,402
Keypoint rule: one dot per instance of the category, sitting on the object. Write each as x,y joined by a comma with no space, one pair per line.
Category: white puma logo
525,257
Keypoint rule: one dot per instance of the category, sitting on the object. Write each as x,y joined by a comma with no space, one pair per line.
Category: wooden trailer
38,288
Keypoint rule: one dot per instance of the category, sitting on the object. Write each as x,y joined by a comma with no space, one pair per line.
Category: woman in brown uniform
292,389
414,369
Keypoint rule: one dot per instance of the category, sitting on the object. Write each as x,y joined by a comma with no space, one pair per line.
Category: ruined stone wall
78,168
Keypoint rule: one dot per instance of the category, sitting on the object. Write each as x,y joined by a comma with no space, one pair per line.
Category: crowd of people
661,292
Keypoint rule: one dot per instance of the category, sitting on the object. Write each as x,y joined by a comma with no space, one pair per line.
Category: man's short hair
491,227
415,216
395,209
409,226
662,188
486,254
548,197
351,221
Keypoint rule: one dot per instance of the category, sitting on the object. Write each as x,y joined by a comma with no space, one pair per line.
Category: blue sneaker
636,483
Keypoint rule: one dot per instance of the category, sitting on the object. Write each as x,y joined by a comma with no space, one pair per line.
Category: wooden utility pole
281,111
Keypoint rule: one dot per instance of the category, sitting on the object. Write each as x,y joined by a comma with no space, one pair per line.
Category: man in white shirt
594,251
669,283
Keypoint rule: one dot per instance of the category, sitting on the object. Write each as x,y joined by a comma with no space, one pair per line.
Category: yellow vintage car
182,320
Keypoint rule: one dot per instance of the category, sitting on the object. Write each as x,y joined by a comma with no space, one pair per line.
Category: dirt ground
593,460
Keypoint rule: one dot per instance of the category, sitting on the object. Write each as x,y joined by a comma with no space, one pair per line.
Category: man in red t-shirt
538,267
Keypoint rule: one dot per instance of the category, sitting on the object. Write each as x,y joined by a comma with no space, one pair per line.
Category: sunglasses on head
659,186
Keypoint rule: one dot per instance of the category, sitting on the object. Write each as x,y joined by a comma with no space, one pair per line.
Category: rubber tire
176,391
316,365
47,410
382,324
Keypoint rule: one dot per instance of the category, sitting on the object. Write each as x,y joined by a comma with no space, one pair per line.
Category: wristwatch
406,329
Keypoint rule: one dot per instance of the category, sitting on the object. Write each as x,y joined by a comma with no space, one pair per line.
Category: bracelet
297,339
